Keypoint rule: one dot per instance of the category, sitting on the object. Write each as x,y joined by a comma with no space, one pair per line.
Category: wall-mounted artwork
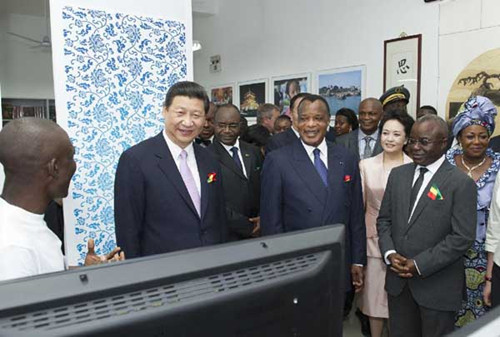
480,77
342,87
402,66
252,94
286,87
222,94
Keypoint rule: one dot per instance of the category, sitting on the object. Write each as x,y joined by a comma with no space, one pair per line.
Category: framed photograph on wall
402,66
342,87
222,94
285,87
251,95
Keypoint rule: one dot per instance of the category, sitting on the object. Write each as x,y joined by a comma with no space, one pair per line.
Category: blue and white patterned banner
117,70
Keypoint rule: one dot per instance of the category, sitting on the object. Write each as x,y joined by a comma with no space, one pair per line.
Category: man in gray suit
364,142
427,221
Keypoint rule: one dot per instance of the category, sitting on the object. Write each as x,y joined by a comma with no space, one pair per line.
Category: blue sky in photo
344,79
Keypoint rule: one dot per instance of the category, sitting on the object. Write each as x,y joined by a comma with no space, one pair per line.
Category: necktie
236,158
368,149
188,179
416,187
320,167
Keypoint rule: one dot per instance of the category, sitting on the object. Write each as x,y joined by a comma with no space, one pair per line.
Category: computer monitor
283,285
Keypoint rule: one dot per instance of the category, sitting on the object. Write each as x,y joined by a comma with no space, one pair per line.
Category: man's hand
357,277
398,263
487,293
92,258
410,269
256,229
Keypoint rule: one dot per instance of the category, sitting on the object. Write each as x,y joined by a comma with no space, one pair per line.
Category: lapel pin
247,155
341,162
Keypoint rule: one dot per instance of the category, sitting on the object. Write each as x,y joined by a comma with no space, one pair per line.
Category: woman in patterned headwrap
472,128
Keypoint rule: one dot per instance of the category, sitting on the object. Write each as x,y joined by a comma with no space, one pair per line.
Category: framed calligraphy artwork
402,66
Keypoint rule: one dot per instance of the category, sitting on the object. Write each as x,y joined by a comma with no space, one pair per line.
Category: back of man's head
27,145
266,110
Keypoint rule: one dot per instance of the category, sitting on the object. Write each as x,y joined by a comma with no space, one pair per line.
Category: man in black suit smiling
240,163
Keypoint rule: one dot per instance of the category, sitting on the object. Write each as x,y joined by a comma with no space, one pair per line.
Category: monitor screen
284,285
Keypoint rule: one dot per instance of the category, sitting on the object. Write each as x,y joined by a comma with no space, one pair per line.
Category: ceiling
36,7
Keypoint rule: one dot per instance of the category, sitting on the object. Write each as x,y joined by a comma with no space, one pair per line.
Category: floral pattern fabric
118,68
476,257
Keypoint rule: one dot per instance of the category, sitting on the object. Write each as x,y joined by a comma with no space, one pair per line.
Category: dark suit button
406,237
481,224
309,210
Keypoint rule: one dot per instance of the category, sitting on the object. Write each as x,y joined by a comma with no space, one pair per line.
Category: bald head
26,143
370,113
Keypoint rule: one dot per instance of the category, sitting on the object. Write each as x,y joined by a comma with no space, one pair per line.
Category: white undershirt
237,145
176,150
27,246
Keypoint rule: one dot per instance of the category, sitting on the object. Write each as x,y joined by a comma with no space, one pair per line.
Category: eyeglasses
423,141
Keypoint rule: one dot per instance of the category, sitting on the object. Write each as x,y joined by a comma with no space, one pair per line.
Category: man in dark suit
240,168
312,183
427,221
168,192
206,136
292,134
364,142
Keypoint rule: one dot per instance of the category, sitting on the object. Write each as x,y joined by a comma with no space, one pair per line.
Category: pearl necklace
470,169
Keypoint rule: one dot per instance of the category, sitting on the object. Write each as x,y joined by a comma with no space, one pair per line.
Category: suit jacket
288,137
242,194
154,213
350,141
436,237
294,197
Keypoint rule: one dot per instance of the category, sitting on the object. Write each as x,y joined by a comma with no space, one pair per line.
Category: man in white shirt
427,221
37,156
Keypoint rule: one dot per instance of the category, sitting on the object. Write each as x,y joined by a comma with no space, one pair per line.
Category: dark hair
296,97
352,119
429,107
283,117
188,89
265,111
443,126
256,134
401,116
311,99
289,84
226,106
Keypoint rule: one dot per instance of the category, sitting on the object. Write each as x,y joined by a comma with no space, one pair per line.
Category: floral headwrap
478,110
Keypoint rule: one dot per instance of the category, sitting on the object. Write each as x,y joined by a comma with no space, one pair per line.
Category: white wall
25,72
468,28
263,38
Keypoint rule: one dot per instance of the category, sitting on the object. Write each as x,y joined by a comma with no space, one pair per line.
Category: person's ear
53,168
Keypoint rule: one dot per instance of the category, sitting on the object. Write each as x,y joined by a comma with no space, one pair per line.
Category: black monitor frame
283,285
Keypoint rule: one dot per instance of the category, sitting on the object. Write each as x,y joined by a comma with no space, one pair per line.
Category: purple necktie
187,176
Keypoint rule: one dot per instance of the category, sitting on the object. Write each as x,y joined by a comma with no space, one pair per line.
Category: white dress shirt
175,150
237,145
493,229
323,151
295,131
431,170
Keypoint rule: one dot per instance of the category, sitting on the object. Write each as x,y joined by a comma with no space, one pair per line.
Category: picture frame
342,87
402,66
223,94
252,94
283,86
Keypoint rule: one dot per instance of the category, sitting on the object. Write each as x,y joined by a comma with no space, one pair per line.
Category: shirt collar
21,213
295,131
175,149
229,147
434,166
322,147
362,135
